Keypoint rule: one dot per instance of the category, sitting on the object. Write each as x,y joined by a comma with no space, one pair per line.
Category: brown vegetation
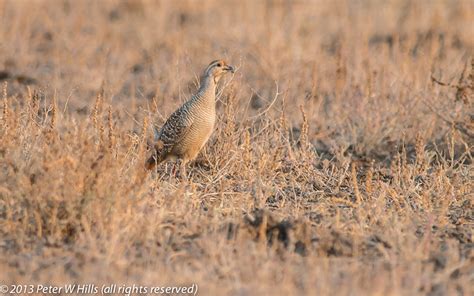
341,162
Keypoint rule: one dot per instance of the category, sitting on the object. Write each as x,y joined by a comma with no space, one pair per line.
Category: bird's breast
204,124
199,133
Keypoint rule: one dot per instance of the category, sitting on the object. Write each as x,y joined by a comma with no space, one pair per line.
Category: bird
188,128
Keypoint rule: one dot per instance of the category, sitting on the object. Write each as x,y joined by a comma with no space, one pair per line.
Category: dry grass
338,165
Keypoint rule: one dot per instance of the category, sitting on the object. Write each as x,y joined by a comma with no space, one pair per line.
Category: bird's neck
207,90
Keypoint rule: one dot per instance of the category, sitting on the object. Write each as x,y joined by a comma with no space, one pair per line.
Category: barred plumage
187,130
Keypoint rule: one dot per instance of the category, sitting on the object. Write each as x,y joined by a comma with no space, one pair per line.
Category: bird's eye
219,65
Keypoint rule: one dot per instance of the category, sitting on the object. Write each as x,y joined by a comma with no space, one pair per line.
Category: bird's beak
229,68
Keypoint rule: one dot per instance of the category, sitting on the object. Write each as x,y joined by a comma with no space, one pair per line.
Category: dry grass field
341,163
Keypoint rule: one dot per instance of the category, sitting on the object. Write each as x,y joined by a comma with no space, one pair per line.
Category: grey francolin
187,130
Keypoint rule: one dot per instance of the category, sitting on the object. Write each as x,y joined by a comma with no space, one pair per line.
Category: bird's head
217,69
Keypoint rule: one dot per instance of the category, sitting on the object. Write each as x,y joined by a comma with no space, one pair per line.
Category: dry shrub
338,166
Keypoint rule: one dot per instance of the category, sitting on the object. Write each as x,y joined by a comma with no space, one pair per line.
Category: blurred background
354,65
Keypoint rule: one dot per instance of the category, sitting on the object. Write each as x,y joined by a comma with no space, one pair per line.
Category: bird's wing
175,128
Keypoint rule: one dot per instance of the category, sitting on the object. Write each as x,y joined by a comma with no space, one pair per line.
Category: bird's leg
182,170
174,170
177,169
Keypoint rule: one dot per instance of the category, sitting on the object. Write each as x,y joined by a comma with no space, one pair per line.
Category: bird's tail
156,157
153,160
